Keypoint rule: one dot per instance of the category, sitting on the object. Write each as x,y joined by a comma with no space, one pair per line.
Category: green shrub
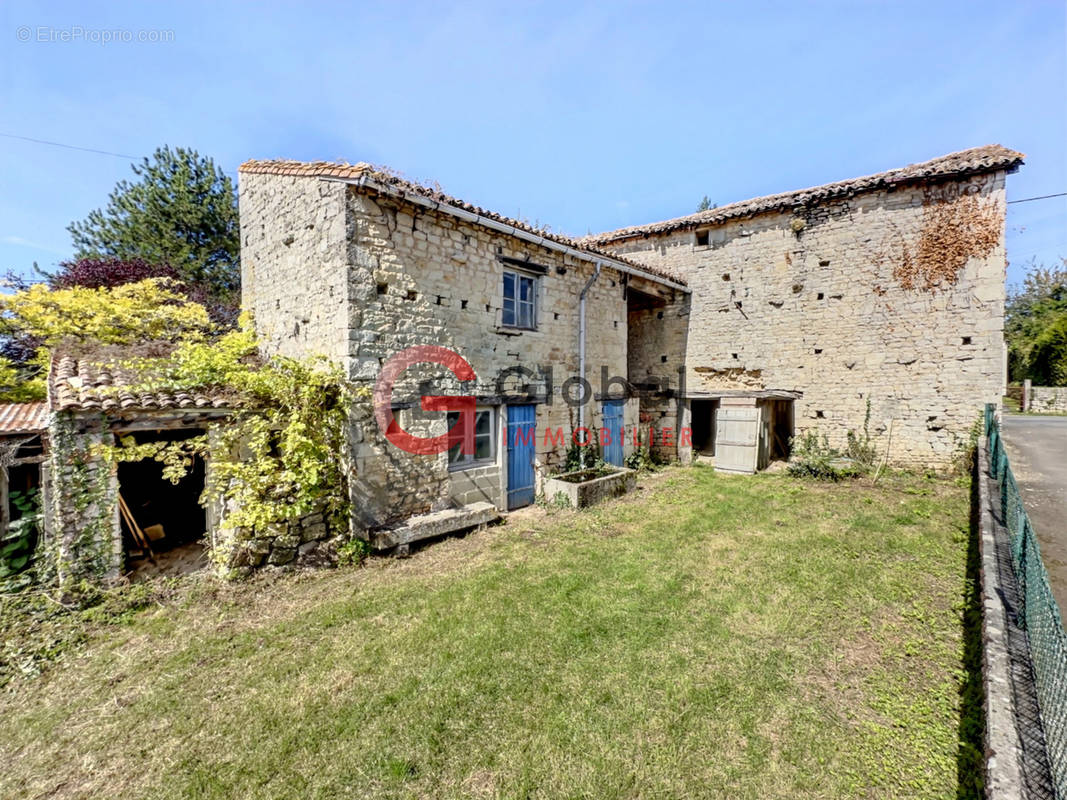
18,542
352,552
813,457
642,460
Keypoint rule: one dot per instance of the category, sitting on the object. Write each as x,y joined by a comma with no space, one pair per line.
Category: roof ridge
975,160
393,179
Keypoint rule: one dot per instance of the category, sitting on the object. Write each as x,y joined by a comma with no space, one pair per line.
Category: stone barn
879,298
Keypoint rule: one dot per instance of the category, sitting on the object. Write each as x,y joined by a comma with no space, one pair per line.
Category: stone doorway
167,516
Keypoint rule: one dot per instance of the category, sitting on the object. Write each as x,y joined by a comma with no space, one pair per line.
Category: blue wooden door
522,433
612,452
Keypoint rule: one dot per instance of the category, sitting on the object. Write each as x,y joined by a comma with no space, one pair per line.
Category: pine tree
706,204
181,211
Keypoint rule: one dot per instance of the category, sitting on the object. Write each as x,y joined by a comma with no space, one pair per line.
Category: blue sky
582,116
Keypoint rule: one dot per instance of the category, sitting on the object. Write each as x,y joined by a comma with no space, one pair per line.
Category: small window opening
702,238
726,276
819,415
412,294
382,288
966,339
520,301
462,303
819,296
482,439
663,359
818,350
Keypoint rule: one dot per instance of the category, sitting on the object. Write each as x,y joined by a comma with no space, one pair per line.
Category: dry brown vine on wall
953,230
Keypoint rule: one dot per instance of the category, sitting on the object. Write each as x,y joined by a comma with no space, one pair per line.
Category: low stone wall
306,541
1048,399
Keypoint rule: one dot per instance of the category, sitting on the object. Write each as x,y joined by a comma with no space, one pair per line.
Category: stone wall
293,263
831,301
307,540
423,277
415,276
83,538
1048,399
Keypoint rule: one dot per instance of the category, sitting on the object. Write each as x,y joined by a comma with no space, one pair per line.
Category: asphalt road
1037,449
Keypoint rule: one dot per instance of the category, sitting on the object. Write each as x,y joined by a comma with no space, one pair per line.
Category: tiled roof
965,162
353,172
23,417
100,380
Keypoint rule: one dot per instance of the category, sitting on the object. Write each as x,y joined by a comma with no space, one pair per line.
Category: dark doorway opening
702,420
780,428
169,516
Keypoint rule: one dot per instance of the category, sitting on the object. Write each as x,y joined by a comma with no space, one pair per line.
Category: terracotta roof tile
353,172
23,417
80,381
965,162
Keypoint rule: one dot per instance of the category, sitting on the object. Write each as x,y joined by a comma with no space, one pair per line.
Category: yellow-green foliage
280,456
146,310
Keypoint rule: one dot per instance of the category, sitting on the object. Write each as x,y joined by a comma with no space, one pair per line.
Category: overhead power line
68,146
82,149
1042,197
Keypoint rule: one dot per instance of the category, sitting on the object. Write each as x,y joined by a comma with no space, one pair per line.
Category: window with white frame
484,440
520,300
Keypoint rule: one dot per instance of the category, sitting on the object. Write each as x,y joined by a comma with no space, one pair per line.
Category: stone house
102,519
874,302
358,265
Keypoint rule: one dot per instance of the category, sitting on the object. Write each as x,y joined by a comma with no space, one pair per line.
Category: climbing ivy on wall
955,226
82,497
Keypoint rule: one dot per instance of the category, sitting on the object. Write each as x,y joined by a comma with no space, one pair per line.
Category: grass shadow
970,769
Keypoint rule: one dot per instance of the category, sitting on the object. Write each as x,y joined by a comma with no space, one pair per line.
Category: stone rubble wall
84,540
293,263
1046,399
811,301
305,541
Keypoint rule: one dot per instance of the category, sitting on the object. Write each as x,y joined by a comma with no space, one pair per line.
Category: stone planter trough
586,487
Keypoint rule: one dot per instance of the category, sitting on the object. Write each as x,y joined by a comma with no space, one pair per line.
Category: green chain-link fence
1039,614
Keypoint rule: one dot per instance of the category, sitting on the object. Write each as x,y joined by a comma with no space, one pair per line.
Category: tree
39,318
706,204
1047,365
181,211
107,273
1034,325
96,273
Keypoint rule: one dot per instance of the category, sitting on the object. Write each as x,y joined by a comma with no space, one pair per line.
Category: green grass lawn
706,636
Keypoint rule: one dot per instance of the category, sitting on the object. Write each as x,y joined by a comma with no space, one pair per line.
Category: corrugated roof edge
389,181
965,162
